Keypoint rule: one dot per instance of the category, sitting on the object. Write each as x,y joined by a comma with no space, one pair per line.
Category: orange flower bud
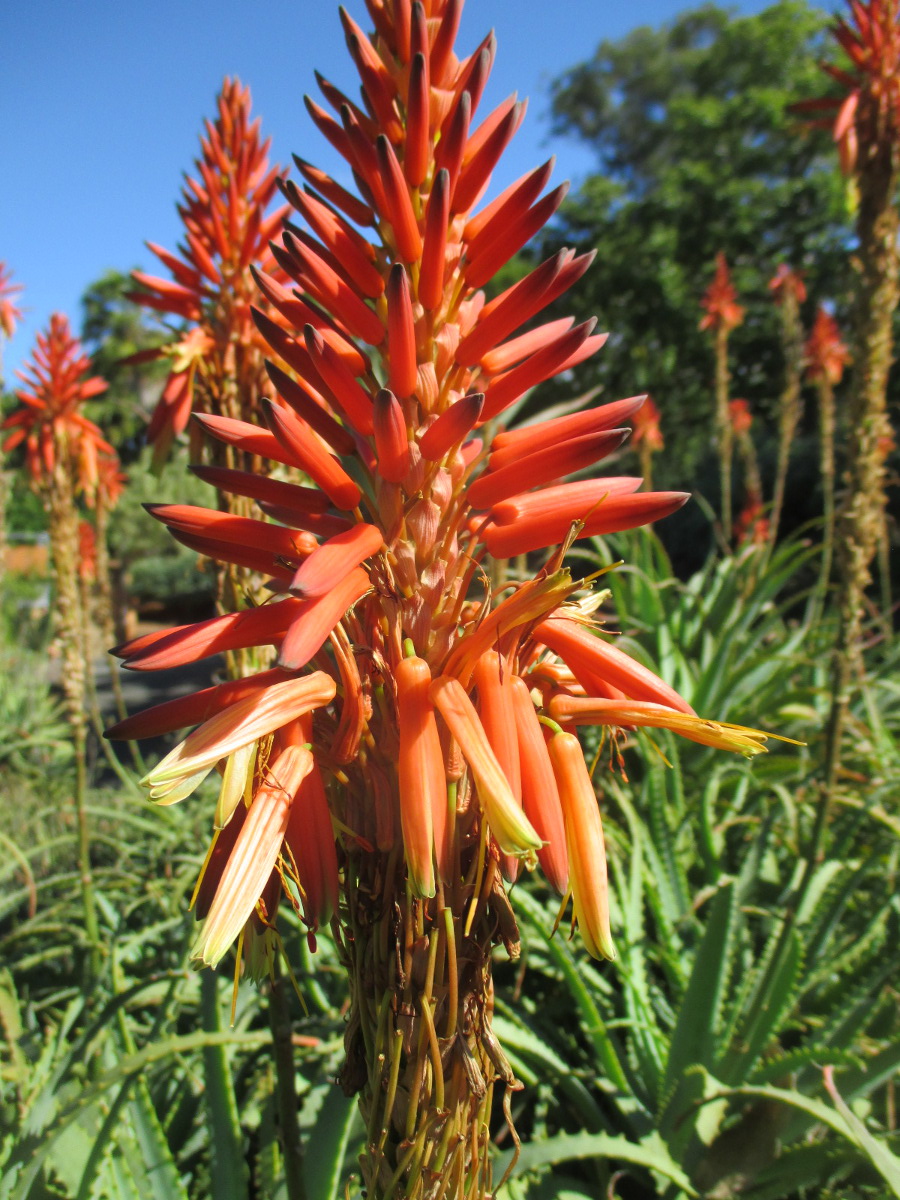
309,454
512,444
401,335
315,618
334,559
391,440
434,246
508,823
420,771
543,466
451,427
540,795
493,680
586,847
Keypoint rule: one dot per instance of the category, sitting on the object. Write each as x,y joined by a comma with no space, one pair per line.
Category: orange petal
586,847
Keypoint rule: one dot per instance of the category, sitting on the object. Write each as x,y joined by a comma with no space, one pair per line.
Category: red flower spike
826,354
578,645
10,313
418,144
314,619
297,439
56,385
452,427
556,461
391,439
334,560
402,366
390,355
540,795
226,231
646,426
720,300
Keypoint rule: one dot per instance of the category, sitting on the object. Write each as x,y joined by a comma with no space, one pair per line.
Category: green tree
698,152
117,333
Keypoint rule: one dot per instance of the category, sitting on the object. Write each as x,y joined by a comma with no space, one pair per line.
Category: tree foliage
698,152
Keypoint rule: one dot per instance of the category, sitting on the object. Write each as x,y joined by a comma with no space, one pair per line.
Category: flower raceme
217,364
385,486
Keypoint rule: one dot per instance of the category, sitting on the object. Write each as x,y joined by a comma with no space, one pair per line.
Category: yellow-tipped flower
513,831
580,710
185,767
254,855
584,840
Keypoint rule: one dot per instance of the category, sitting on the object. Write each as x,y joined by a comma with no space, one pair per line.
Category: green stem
228,1169
285,1090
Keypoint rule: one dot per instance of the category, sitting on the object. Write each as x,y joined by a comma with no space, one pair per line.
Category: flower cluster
722,310
217,363
10,313
49,422
435,703
826,354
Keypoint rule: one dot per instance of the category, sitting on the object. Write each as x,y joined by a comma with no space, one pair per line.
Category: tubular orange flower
504,815
420,772
254,855
540,794
586,847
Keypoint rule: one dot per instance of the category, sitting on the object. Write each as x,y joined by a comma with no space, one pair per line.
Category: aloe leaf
695,1035
228,1169
773,992
327,1140
606,1050
882,1159
650,1153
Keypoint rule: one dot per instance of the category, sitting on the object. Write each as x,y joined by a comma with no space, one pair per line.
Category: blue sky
102,103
